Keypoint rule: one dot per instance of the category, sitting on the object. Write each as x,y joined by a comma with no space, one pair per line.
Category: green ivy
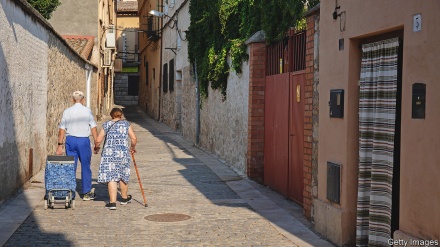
221,27
45,7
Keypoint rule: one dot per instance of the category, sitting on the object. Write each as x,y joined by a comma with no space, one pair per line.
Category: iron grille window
165,78
152,28
171,75
288,55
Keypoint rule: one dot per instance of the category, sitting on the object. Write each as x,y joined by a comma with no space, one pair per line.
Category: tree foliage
45,7
220,28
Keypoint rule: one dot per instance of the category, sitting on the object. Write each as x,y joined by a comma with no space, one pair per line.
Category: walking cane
139,179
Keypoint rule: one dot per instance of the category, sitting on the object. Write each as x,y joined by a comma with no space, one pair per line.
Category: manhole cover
170,217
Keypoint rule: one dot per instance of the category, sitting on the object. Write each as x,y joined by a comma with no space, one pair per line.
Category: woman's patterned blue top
115,157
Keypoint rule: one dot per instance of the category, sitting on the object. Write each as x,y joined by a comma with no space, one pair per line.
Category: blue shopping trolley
60,181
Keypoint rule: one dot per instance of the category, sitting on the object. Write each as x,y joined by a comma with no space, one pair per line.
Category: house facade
378,148
107,54
127,59
81,32
352,177
150,44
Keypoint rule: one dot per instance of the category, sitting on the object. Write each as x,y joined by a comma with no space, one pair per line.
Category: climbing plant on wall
45,7
220,27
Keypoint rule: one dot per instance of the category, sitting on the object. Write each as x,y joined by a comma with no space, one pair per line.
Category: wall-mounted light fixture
341,16
158,14
161,14
335,13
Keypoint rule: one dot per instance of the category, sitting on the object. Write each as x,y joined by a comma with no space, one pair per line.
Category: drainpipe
197,105
88,84
160,83
107,91
160,69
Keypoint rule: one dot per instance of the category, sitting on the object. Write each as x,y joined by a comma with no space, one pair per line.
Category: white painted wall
38,73
23,89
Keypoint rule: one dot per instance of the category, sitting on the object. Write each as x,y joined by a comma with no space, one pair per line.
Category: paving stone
224,208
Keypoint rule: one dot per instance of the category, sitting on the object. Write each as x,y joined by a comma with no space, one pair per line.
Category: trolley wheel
45,204
50,200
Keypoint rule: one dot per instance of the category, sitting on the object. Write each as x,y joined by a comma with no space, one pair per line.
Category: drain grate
168,217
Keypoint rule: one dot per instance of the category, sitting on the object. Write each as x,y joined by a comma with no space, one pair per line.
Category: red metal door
284,117
276,132
296,137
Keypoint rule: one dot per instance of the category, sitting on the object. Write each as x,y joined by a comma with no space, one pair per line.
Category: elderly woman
115,157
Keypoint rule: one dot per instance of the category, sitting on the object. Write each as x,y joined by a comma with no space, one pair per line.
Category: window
171,75
146,73
165,78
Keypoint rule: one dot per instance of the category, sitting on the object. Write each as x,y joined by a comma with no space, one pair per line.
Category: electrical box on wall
417,23
418,100
107,58
178,75
110,37
333,182
336,103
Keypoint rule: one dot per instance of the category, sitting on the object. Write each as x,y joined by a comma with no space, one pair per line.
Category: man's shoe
89,196
126,200
111,205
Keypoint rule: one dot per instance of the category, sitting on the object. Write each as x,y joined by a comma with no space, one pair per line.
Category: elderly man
76,124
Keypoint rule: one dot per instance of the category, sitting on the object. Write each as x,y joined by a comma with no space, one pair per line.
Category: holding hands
97,147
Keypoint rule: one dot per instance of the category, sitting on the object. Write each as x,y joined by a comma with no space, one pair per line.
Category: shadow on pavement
219,191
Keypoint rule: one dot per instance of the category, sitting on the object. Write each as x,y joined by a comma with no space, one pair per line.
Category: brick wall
257,82
311,115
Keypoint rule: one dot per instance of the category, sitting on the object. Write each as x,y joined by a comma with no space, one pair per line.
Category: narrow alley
259,123
194,199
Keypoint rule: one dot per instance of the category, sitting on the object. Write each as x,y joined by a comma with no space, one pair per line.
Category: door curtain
377,114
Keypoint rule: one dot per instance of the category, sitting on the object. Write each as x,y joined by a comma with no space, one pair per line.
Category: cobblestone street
224,208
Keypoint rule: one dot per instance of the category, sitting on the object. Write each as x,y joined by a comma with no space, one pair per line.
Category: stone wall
37,73
66,74
188,104
224,122
168,112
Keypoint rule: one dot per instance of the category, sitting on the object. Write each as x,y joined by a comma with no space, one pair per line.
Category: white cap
78,95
